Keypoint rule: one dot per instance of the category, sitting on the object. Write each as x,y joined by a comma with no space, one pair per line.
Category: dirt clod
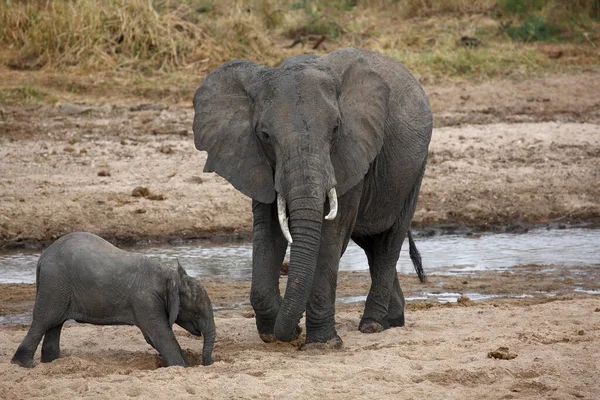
502,353
103,172
285,268
140,191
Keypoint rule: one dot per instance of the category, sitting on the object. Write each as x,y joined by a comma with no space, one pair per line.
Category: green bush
534,29
521,7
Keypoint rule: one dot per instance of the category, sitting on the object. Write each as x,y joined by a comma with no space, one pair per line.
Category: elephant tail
415,256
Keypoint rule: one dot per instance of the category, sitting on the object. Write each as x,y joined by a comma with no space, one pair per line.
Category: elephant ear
222,126
174,279
363,103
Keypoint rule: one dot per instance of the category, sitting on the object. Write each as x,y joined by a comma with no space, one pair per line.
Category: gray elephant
329,148
83,277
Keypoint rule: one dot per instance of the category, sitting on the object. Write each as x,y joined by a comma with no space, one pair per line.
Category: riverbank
504,154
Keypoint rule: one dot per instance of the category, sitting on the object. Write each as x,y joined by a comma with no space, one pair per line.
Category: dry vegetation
160,49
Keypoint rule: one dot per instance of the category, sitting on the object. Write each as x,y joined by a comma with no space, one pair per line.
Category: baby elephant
83,277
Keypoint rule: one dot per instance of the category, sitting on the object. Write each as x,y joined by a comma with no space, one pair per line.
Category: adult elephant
329,148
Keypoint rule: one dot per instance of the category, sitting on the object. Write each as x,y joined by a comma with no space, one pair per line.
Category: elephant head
299,134
189,306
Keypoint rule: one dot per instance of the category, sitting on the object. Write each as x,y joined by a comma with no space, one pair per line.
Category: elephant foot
270,337
22,361
395,322
46,358
334,343
368,325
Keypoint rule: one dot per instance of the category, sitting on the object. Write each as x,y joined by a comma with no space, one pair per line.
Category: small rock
502,353
516,228
103,173
470,41
145,106
597,309
248,314
428,233
464,300
157,197
140,191
166,149
83,151
73,109
140,211
73,140
68,149
581,332
554,55
195,179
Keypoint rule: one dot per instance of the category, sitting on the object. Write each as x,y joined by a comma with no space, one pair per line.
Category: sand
442,352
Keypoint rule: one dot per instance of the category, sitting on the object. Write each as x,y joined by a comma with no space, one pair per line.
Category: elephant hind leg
384,307
24,354
51,344
46,316
395,315
385,303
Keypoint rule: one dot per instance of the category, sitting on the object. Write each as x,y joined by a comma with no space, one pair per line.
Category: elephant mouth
284,220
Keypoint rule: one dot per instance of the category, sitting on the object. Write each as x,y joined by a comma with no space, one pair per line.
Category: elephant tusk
283,220
333,204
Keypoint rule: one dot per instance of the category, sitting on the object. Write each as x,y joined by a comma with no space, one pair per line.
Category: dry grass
161,49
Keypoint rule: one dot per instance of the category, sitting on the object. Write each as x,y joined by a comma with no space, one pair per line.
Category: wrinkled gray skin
354,120
83,277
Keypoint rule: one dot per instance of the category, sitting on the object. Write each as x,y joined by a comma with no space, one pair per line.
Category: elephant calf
83,277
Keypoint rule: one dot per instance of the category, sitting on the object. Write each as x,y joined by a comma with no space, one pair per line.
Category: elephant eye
265,135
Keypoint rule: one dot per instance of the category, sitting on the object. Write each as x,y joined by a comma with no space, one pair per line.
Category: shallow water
446,254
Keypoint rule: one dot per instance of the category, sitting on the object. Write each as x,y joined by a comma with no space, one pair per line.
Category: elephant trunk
305,205
209,334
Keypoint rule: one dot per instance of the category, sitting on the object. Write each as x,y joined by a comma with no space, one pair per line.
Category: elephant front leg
159,334
268,252
320,311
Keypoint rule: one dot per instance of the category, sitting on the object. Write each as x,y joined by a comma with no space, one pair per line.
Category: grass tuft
27,95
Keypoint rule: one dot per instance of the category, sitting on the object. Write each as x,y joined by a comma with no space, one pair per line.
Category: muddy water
446,254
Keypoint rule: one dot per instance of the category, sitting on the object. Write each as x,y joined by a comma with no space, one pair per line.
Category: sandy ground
442,352
502,154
